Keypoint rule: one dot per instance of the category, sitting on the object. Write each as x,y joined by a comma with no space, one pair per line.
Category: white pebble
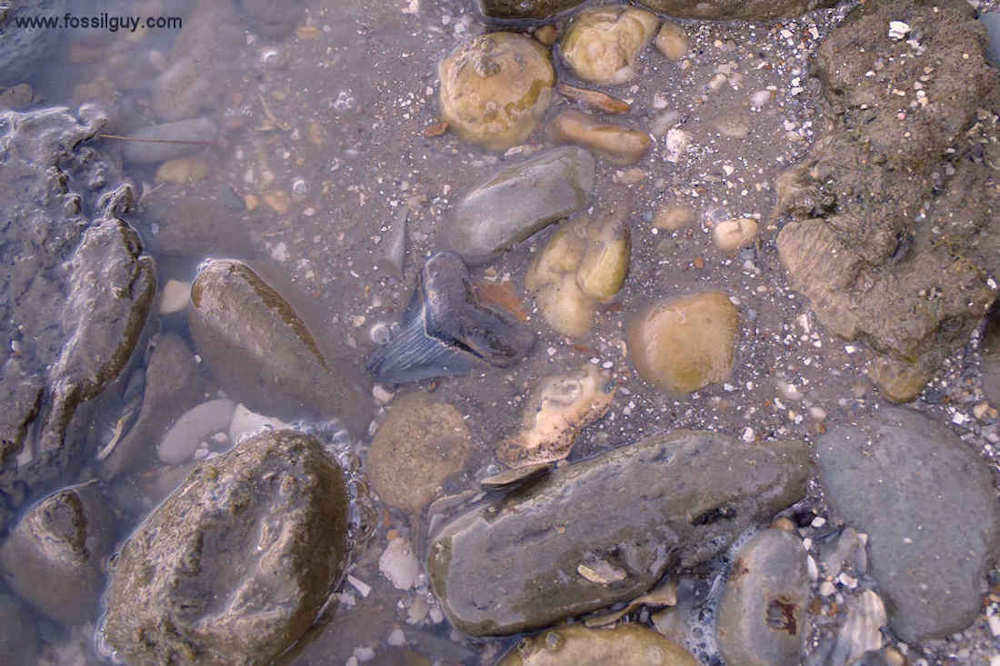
760,98
748,434
194,426
363,588
826,588
397,638
898,30
398,564
174,297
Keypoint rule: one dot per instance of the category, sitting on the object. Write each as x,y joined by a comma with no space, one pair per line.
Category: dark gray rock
992,22
518,201
172,387
761,614
55,556
892,233
751,10
928,505
198,131
236,563
263,354
607,529
525,9
21,48
75,290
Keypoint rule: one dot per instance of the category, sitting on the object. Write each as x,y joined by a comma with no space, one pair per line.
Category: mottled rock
172,387
584,263
894,225
420,444
674,217
518,201
525,9
195,132
619,145
666,502
235,564
76,289
557,410
685,343
927,502
861,632
55,556
625,645
495,88
602,44
263,354
761,615
751,10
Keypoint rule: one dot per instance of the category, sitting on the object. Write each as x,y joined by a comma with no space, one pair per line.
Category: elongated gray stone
519,201
608,528
927,502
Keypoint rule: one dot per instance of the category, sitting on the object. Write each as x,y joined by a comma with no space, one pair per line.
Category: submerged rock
664,503
751,10
894,221
619,145
420,444
625,645
495,88
525,9
927,502
263,354
172,387
762,612
520,200
686,343
447,330
76,290
21,49
55,556
602,44
236,563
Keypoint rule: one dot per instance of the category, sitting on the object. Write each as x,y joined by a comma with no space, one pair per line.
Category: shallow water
323,143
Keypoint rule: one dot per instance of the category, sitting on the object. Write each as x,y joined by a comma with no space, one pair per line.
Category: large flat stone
928,504
607,529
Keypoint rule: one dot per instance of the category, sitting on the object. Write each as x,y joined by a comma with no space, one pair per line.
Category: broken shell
559,409
605,264
619,145
664,594
495,88
447,331
601,572
602,44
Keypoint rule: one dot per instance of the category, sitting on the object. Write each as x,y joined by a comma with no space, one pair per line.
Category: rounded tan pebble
619,145
182,171
686,343
419,445
672,41
495,88
731,235
602,44
674,217
629,645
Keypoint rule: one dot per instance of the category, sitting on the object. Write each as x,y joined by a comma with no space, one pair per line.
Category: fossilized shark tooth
447,331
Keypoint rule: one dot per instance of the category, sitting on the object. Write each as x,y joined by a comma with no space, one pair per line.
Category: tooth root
413,355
